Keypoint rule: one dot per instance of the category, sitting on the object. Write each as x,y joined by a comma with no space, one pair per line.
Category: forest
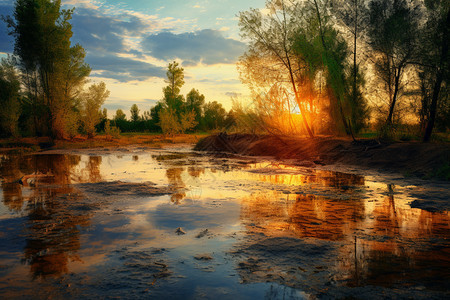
315,67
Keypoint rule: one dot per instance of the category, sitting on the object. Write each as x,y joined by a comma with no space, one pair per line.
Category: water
91,226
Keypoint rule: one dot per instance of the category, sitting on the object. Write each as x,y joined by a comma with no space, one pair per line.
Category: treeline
174,113
335,65
42,87
313,66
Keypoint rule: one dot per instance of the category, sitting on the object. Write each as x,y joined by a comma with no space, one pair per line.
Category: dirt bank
144,140
408,158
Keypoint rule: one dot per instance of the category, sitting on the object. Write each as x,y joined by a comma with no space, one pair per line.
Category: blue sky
129,44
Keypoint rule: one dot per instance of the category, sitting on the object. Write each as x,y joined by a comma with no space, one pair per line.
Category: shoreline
423,160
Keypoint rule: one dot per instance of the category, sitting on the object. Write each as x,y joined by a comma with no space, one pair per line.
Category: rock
180,231
202,234
204,256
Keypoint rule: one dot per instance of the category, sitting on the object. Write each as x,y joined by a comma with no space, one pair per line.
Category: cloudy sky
129,44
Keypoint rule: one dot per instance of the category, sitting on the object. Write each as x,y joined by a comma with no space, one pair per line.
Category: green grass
368,135
443,172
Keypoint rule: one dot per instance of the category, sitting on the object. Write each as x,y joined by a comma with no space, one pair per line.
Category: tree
187,121
434,64
103,118
155,111
170,111
120,115
214,115
52,69
270,48
175,80
134,113
392,35
169,121
353,15
9,98
92,100
195,102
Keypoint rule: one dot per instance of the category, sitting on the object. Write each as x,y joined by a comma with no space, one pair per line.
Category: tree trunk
439,78
395,96
355,96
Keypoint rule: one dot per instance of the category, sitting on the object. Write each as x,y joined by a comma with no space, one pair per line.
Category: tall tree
392,34
92,100
195,102
332,50
175,80
53,70
434,61
214,115
9,98
353,15
270,46
134,113
154,112
120,115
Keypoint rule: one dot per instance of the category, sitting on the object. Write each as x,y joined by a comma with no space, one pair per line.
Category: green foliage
9,98
52,69
154,112
214,116
444,172
175,80
120,115
169,121
103,118
91,101
244,119
72,124
187,121
111,131
195,102
134,113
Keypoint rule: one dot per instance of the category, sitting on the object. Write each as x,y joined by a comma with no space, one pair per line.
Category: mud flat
426,160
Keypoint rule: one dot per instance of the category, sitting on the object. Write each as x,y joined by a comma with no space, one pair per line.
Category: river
179,224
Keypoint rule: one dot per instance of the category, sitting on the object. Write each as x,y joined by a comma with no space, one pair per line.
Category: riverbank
36,144
425,160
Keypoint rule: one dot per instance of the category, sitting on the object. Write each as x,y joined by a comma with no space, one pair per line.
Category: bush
111,131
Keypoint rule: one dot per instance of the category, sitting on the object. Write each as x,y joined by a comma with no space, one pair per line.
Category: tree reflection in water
310,230
175,180
383,242
55,211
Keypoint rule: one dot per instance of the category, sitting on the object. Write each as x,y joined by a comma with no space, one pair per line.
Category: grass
406,135
444,172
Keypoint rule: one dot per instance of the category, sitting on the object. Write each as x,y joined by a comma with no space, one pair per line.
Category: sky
129,44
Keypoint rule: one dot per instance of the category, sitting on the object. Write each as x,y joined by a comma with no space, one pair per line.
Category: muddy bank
119,188
409,158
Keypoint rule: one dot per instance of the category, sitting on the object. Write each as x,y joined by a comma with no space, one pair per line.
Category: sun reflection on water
51,227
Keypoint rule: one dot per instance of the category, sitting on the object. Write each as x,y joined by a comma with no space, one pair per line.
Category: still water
177,224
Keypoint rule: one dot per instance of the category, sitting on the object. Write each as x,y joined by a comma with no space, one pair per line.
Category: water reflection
375,236
303,228
175,180
53,233
39,188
